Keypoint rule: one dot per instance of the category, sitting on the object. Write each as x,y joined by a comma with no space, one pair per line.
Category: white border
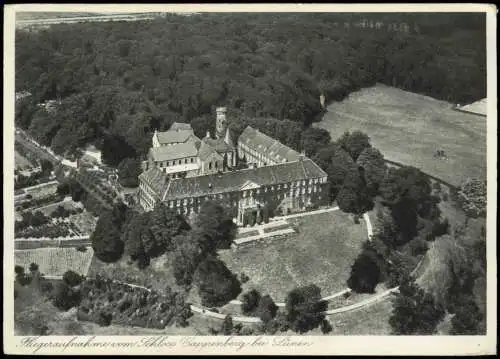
381,345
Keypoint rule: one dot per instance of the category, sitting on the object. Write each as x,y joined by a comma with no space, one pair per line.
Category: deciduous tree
216,284
305,309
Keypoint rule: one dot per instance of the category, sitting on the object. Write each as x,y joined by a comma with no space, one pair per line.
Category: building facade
279,177
287,187
258,149
180,154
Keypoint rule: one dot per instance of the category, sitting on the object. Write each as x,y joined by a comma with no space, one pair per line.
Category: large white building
188,171
179,153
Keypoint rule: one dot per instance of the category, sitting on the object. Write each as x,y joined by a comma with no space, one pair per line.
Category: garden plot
55,261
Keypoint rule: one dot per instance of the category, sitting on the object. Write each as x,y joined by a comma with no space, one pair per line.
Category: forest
119,81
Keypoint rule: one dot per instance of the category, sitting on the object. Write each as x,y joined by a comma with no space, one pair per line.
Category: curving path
243,319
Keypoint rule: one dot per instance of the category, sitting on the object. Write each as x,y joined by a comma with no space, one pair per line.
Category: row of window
233,200
146,200
175,162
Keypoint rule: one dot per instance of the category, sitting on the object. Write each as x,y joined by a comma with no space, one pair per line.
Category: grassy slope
321,253
409,128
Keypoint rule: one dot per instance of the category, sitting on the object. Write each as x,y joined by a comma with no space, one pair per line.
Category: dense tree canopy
408,193
216,284
373,167
337,163
122,80
313,139
354,143
106,240
187,256
151,234
415,311
305,309
216,226
354,196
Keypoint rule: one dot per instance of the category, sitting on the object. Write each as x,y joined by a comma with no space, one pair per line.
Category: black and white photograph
284,175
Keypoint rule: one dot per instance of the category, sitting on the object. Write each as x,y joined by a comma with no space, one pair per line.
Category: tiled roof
181,126
205,150
233,181
155,178
264,144
219,145
175,151
168,137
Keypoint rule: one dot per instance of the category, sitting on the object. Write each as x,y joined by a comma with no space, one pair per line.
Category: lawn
276,228
322,253
371,320
409,128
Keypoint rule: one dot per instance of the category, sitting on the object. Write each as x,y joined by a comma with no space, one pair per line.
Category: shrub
81,248
365,273
244,278
227,325
104,318
19,270
305,309
33,267
216,284
418,246
46,287
267,309
250,301
326,327
65,298
72,278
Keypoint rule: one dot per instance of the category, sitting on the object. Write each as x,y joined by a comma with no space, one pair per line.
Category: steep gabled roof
169,137
181,126
234,181
264,144
175,151
219,145
155,179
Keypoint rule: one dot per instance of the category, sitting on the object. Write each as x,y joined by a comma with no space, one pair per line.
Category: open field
409,128
322,253
55,261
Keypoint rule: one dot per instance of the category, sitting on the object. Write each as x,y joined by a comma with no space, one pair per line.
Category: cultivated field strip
55,261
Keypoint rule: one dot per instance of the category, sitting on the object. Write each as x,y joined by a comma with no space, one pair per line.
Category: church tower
221,123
